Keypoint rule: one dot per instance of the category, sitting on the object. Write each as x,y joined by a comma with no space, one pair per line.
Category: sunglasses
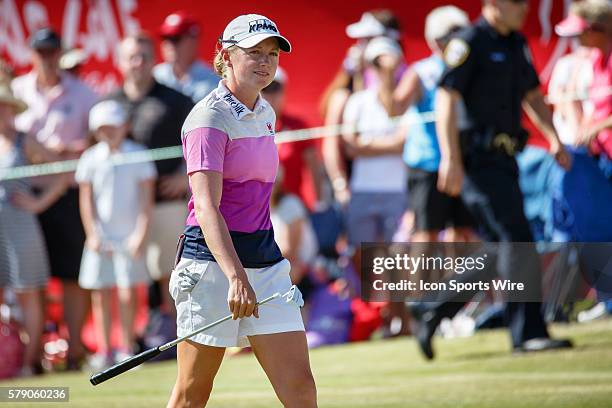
174,40
449,34
519,1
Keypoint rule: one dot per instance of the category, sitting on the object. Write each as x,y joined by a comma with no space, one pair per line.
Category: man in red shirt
300,159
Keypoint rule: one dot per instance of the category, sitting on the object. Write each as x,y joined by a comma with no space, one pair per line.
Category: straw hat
6,96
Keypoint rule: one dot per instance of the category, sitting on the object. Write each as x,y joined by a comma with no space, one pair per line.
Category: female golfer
227,255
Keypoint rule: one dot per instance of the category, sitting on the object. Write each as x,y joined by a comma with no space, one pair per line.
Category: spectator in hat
157,113
354,75
433,211
24,265
300,159
378,180
181,70
58,107
568,91
591,22
116,228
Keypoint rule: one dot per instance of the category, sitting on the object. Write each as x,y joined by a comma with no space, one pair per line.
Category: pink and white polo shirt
222,134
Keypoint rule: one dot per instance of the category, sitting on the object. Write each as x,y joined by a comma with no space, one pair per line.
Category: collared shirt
156,121
493,73
57,117
223,135
197,83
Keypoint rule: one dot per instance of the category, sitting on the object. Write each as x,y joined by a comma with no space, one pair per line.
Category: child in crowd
116,201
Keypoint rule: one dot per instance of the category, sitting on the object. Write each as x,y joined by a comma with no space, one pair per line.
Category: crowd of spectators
108,229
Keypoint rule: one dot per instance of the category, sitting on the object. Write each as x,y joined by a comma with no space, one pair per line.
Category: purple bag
329,319
160,330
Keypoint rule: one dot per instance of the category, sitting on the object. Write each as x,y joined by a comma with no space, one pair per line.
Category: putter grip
123,366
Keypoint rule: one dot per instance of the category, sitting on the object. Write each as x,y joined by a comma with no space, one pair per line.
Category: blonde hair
593,11
218,64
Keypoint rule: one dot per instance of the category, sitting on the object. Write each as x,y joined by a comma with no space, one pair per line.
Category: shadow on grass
481,355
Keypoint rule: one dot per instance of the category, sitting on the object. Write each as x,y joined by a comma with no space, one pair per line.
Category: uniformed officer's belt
503,142
490,140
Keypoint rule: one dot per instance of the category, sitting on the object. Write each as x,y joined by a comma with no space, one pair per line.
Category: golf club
293,295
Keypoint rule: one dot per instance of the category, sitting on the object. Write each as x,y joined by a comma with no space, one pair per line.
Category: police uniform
493,73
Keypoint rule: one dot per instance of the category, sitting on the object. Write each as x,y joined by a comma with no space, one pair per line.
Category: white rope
281,137
174,152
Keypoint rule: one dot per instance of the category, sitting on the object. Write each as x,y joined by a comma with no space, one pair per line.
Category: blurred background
59,58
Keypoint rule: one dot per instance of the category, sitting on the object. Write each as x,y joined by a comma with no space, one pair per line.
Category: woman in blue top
433,211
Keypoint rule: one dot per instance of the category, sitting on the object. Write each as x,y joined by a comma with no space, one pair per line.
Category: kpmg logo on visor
262,25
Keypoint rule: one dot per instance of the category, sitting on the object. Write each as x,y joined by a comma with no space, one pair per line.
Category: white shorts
102,270
199,290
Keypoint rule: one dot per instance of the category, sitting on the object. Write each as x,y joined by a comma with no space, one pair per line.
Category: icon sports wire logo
262,24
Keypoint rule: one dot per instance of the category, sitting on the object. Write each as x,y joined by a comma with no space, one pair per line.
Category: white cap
280,76
441,20
381,46
248,30
107,113
369,26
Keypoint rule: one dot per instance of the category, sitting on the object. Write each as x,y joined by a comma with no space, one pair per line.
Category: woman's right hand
241,299
450,177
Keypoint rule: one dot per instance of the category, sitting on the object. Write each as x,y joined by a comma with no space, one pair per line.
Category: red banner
316,29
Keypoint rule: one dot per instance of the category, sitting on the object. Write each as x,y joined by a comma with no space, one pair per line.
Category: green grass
471,372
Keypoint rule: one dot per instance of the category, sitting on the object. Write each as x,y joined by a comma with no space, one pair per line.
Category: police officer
489,76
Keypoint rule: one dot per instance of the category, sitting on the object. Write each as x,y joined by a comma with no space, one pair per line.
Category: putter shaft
173,343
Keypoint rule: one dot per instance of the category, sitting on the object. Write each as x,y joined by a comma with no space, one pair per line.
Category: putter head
294,296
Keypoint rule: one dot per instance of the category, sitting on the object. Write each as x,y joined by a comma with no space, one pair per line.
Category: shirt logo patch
270,129
237,108
498,57
456,52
